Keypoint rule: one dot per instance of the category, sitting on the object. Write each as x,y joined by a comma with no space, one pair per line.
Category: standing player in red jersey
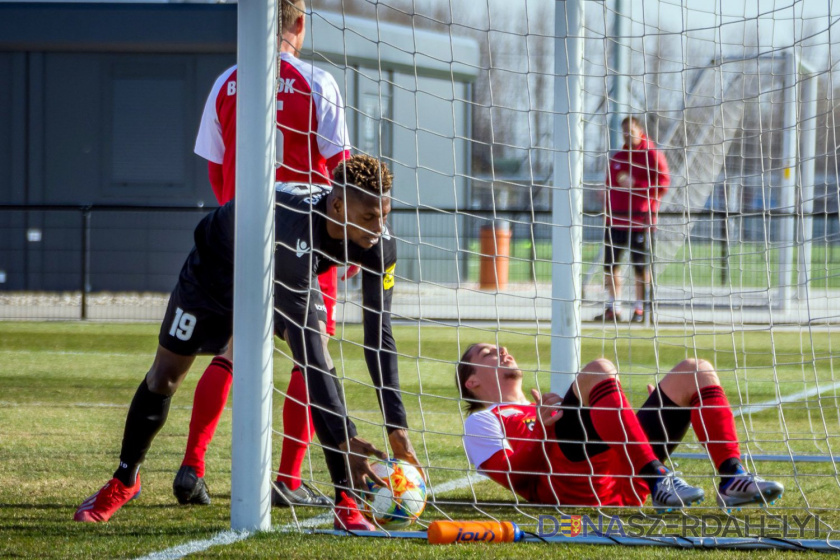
312,139
598,452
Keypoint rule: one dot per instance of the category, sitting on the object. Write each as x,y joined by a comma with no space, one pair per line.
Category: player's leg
321,383
146,416
613,248
639,253
599,408
694,385
598,387
297,419
298,430
209,400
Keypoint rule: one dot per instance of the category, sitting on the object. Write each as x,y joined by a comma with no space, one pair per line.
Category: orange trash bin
495,253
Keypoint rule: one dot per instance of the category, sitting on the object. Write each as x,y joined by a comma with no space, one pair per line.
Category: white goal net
499,130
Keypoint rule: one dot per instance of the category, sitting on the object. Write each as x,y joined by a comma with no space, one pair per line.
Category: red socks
297,431
615,421
211,394
714,424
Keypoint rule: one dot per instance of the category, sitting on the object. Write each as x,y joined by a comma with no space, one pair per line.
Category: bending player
598,451
313,232
311,124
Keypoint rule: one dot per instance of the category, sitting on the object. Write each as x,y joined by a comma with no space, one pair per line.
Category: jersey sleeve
333,137
378,265
209,142
484,437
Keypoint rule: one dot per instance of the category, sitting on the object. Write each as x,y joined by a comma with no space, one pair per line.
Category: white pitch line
457,484
305,524
230,537
176,552
750,409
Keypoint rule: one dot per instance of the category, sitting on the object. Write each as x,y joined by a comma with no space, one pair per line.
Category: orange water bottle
446,532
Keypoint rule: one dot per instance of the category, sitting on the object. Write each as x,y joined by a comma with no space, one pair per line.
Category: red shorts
329,288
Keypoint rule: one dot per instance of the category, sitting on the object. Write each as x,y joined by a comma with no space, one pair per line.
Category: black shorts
193,324
576,434
616,240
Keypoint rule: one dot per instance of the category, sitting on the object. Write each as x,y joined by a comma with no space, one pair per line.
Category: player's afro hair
365,173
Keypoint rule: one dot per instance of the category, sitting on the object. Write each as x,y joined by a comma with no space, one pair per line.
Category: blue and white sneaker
672,492
748,488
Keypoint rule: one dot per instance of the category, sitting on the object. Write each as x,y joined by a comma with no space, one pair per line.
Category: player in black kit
313,232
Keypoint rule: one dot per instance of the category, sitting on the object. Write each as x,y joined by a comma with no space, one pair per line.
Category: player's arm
663,174
378,265
209,142
333,161
490,450
216,176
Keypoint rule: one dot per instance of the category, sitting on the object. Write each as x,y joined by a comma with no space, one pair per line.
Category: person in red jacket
637,179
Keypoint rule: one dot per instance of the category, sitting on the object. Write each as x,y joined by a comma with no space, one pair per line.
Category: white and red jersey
535,467
503,426
311,129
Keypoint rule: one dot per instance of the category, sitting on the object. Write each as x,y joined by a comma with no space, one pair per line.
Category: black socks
651,473
146,417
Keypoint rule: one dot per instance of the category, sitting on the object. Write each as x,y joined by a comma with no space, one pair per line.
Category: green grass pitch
65,389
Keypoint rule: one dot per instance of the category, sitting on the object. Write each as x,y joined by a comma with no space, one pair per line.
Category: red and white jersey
536,467
311,128
502,426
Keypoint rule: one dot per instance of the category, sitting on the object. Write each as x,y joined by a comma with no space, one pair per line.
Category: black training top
303,249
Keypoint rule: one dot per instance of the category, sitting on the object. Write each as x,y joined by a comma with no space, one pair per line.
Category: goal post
566,197
253,333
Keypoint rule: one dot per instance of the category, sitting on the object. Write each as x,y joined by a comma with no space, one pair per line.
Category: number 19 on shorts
182,325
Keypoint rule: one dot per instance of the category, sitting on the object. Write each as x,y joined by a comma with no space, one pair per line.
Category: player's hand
650,388
350,272
358,452
548,407
402,448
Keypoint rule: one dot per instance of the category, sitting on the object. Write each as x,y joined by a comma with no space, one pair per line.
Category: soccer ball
399,504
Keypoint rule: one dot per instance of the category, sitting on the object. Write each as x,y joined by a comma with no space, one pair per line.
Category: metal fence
120,261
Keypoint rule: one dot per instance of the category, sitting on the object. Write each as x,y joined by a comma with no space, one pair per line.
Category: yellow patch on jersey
388,278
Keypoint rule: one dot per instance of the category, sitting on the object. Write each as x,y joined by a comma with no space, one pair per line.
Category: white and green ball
402,502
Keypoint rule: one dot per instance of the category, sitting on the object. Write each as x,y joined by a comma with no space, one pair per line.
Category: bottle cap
518,535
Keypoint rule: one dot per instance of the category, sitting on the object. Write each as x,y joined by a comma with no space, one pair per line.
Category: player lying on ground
312,233
598,451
